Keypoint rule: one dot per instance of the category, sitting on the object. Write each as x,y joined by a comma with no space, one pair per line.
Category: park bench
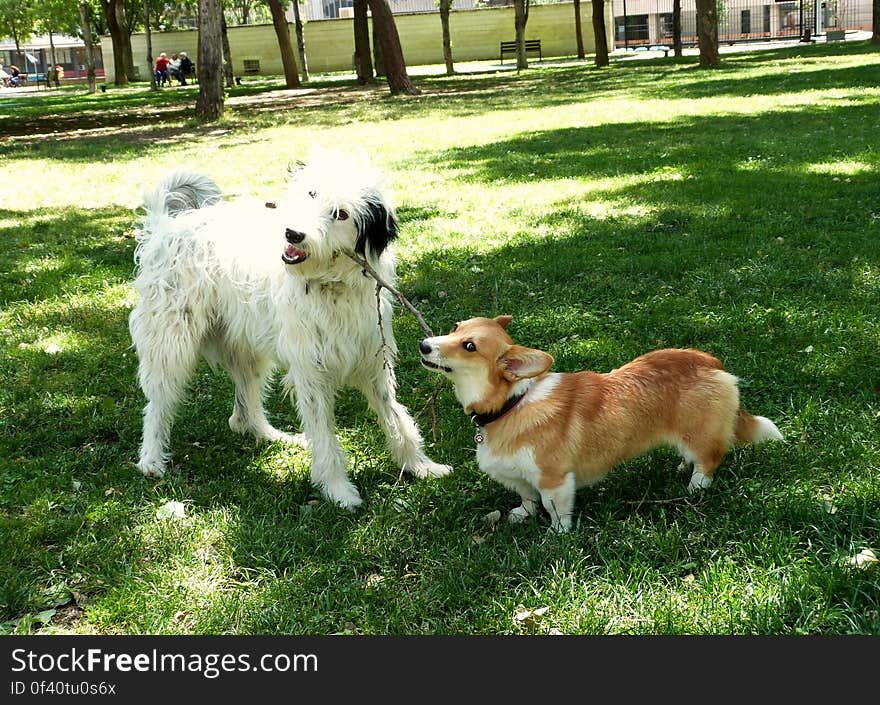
42,79
532,45
660,47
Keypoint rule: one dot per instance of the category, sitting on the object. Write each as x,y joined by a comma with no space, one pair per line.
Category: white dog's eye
312,194
341,214
469,346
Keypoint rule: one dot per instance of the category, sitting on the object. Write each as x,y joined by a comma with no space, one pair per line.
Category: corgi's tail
754,429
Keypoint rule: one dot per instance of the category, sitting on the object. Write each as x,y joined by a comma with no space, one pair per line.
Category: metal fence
649,22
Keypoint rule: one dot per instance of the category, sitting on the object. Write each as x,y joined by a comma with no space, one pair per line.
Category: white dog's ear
503,321
376,227
518,362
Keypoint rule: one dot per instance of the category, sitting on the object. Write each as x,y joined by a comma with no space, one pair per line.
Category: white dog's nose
425,347
294,237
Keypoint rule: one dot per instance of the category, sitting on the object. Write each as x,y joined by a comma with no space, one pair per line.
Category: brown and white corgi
544,435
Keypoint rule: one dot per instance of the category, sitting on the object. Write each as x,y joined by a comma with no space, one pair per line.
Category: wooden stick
367,267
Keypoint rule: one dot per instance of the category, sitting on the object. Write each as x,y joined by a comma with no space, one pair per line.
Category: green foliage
610,212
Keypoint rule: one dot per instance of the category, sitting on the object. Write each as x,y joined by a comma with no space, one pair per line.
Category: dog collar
483,420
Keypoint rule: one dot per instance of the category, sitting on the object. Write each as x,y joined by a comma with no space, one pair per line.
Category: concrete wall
476,35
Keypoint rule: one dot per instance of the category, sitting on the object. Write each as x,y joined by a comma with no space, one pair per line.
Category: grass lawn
609,212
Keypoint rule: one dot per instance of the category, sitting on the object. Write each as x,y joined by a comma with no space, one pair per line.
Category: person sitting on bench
187,68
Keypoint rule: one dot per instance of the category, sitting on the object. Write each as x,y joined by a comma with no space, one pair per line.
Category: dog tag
479,438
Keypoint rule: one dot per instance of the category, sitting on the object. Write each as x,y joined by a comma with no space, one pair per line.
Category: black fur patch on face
377,227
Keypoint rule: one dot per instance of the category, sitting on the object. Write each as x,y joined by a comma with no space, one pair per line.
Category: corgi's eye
341,214
454,328
469,346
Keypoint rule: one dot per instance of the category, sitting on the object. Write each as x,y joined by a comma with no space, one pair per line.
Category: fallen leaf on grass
171,510
864,559
492,518
374,580
529,617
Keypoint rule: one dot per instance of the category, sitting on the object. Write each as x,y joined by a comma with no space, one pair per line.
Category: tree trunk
707,32
53,60
445,7
392,53
148,36
127,55
578,33
86,24
676,27
520,17
875,38
363,60
227,54
300,41
282,31
599,33
209,106
109,7
378,59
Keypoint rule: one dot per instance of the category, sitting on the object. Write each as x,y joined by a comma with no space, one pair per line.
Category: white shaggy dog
250,287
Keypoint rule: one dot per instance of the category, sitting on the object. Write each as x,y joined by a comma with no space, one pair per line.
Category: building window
746,22
251,65
631,28
766,19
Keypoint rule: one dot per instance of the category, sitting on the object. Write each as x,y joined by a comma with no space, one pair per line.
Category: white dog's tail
182,191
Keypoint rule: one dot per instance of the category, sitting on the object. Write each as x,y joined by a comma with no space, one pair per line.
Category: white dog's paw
343,493
699,481
151,469
428,468
273,435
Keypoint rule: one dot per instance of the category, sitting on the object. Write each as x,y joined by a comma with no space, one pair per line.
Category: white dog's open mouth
433,366
293,255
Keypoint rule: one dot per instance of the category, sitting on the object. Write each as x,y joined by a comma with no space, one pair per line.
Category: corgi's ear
503,321
518,362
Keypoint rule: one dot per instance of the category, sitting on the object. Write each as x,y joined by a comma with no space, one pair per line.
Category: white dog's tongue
294,253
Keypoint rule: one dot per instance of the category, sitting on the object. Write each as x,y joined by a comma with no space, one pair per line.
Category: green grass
610,212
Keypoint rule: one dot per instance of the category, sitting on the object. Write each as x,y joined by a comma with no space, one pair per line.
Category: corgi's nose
425,347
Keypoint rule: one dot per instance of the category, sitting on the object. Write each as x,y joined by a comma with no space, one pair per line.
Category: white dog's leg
166,363
400,429
250,374
315,402
559,503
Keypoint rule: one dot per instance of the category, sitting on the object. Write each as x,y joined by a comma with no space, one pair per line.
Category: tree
707,32
362,57
227,53
209,105
520,18
378,61
149,39
86,24
282,31
578,33
300,41
875,38
445,7
17,21
599,33
118,38
392,53
676,27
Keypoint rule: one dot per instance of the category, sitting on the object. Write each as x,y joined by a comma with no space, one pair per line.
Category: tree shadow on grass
419,558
